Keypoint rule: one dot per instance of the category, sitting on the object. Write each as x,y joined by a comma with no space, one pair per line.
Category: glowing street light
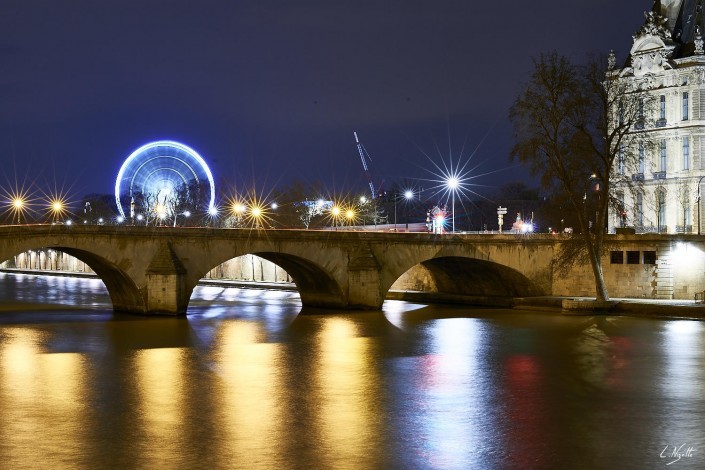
238,208
350,216
161,211
18,206
57,209
452,183
335,213
257,215
408,195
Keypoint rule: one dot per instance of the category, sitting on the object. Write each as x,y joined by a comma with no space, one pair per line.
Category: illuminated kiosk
164,179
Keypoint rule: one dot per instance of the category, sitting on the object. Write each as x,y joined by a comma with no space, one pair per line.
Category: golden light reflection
253,396
349,393
40,388
160,379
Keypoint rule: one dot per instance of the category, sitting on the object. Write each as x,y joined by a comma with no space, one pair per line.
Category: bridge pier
364,282
166,284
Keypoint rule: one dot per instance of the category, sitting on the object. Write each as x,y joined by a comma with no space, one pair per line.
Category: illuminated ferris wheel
164,174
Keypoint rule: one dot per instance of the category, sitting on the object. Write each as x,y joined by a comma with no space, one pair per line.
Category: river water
249,380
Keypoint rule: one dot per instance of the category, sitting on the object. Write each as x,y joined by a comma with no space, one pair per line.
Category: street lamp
335,212
350,215
256,213
18,206
395,194
213,214
452,184
408,195
699,214
57,209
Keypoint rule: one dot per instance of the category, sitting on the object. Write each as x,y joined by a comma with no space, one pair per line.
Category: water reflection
250,395
43,401
160,382
456,389
346,385
245,381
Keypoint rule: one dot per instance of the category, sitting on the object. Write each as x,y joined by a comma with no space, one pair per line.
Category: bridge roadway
155,269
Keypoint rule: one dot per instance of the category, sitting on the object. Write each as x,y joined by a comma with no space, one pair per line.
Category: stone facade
667,60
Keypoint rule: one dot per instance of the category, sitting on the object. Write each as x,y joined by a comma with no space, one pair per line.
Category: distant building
668,60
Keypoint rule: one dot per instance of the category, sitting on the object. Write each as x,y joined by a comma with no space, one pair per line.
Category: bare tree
308,210
684,196
579,127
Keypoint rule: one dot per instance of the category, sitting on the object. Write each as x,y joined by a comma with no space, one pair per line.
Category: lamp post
213,214
18,205
335,212
363,203
699,213
394,195
57,208
257,215
452,184
408,195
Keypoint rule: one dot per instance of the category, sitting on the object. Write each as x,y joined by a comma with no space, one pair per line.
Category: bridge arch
461,275
315,284
124,293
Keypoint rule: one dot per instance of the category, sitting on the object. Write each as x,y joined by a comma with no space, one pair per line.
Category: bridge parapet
154,269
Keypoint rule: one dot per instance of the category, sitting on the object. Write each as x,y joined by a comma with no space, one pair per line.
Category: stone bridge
155,269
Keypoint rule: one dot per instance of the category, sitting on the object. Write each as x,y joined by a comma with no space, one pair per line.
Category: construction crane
364,156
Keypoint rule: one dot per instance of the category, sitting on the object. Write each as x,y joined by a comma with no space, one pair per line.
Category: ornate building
668,60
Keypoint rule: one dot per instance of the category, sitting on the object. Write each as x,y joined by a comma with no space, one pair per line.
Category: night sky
271,91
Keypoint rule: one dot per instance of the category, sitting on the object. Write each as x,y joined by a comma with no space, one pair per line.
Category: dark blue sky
272,90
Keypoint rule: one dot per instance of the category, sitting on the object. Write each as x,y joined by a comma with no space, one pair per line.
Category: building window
616,257
663,154
686,153
685,106
620,160
641,159
640,209
632,257
662,108
649,257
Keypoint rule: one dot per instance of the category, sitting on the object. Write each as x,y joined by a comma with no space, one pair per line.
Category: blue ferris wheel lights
157,168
